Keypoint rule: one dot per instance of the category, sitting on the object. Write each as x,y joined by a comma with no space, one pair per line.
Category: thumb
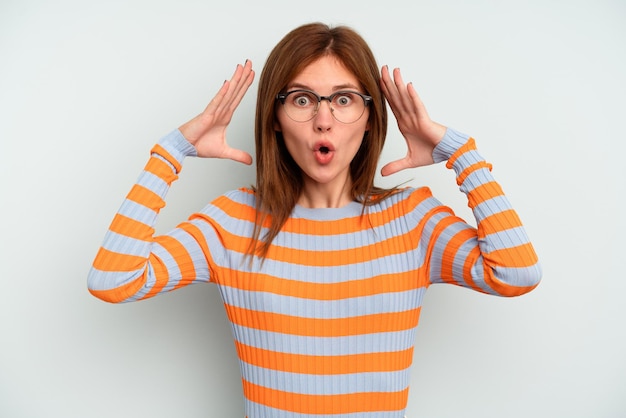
394,166
238,155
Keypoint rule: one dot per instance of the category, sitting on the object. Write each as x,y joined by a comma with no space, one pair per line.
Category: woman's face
323,147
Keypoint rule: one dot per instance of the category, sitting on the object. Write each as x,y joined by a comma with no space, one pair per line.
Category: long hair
279,179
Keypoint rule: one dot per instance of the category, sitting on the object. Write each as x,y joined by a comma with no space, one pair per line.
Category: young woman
322,274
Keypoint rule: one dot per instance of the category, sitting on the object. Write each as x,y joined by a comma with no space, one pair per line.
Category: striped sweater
325,326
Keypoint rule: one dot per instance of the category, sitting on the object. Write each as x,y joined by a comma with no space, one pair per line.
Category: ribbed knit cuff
450,143
178,147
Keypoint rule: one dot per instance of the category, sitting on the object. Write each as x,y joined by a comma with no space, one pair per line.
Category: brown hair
278,177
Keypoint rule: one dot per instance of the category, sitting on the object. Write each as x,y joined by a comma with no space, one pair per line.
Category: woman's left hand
420,132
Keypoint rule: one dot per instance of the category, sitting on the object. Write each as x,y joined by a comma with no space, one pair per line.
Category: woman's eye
344,100
302,101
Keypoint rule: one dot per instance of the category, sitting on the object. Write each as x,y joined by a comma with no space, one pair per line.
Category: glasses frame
367,100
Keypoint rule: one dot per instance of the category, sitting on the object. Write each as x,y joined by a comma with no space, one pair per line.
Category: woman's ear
277,127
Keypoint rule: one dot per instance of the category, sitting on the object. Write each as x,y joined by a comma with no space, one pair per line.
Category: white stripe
326,384
332,346
323,309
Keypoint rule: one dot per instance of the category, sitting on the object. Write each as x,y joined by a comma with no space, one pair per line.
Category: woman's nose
324,115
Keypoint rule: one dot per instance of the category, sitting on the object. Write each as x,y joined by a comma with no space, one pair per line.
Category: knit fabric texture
325,325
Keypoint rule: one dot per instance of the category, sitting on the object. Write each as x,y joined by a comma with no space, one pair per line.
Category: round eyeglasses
345,106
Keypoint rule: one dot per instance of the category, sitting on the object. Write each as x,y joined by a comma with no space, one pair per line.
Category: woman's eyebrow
334,88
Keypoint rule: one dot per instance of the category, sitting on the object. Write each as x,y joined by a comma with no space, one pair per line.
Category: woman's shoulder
238,203
243,194
401,202
401,195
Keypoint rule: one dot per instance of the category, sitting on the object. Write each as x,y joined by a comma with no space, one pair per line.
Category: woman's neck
316,195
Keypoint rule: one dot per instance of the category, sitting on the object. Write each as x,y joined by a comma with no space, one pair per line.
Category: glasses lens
302,105
347,106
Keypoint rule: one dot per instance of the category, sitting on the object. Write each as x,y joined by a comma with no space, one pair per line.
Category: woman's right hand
207,131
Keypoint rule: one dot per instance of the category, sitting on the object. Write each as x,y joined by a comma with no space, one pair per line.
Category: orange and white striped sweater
325,326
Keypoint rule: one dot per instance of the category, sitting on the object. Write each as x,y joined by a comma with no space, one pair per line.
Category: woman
322,273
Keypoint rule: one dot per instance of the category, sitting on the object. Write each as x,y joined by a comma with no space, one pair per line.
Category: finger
393,82
238,155
384,75
397,79
390,92
233,85
231,93
416,100
404,94
243,77
397,94
239,84
245,82
394,167
387,85
218,98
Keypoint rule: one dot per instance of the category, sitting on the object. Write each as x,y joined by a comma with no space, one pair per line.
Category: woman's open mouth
324,153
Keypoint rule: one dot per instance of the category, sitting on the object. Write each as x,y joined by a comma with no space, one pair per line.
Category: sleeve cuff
177,146
449,144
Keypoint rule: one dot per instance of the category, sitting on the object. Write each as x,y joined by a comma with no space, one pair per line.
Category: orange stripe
394,245
161,277
146,197
325,365
326,404
254,282
343,226
505,289
374,220
484,192
328,258
131,228
470,145
498,222
195,232
111,261
451,250
235,210
158,149
469,170
470,261
240,242
161,169
315,327
182,258
119,293
519,256
438,230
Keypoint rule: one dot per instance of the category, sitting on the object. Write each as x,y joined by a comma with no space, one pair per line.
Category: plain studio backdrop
86,89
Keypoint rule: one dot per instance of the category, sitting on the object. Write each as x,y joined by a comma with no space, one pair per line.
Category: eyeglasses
345,106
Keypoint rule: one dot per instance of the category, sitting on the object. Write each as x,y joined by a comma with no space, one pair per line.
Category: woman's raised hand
420,132
207,131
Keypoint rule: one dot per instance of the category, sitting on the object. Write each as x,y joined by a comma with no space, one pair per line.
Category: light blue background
86,88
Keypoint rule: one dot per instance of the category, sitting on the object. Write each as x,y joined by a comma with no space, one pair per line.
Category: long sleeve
497,257
132,263
326,324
